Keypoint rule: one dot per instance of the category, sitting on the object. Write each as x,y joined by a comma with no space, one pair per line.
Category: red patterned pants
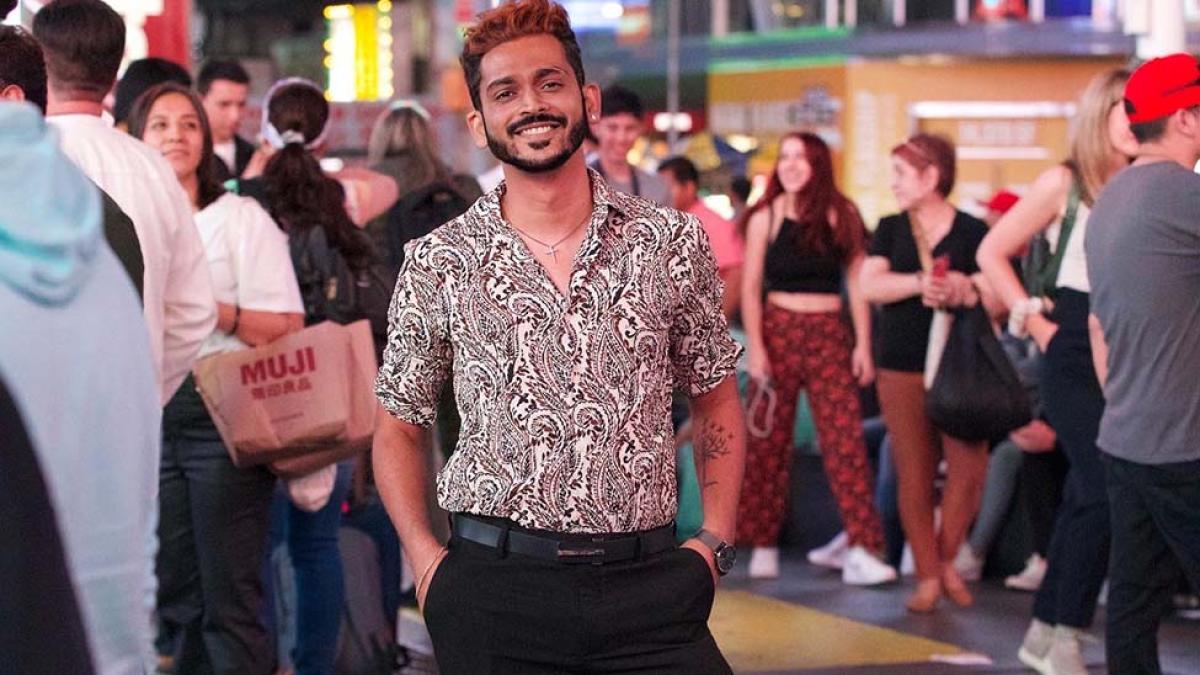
809,351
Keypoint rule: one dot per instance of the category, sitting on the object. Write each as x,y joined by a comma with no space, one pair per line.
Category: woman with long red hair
804,238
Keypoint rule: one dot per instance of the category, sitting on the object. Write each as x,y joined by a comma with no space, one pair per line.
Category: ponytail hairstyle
846,237
299,194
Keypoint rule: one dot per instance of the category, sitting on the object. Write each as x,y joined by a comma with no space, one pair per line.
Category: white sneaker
1031,577
1039,637
764,562
1065,656
833,554
968,565
864,569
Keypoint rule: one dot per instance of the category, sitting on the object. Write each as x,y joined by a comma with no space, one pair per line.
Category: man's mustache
531,120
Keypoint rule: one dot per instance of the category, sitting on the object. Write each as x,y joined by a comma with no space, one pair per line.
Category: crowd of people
566,327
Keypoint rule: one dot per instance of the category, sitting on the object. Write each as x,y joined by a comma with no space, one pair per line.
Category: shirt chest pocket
638,322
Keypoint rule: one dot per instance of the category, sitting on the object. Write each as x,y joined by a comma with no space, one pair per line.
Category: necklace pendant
553,253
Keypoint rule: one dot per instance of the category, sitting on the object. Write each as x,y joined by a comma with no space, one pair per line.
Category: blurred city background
722,79
722,82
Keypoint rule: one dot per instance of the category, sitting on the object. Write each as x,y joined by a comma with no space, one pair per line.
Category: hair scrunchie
280,140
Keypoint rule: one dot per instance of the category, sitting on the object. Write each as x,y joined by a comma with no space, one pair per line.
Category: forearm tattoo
712,442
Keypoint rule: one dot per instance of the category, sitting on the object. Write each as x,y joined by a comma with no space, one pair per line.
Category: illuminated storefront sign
358,52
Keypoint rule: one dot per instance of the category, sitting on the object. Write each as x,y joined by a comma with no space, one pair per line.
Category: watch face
725,556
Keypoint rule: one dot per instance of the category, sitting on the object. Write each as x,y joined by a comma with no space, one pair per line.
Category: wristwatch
723,552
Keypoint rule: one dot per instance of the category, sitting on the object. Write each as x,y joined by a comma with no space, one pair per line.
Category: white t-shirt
227,153
177,297
249,261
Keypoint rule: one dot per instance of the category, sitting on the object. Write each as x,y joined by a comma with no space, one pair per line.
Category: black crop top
789,269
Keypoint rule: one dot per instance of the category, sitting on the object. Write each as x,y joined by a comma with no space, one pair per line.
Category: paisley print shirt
565,399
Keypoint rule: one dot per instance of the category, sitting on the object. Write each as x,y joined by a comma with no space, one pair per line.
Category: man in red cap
1143,254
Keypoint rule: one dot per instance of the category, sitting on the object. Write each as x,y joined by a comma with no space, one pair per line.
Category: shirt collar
604,199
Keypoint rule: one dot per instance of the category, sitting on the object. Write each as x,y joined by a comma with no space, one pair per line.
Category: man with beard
567,312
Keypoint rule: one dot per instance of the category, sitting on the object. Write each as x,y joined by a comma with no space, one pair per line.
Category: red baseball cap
1161,86
1001,202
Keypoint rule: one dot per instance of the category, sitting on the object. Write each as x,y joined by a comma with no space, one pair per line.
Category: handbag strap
924,252
1049,274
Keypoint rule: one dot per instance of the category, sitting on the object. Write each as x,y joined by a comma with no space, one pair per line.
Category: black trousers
212,533
1042,476
1155,538
1078,553
493,615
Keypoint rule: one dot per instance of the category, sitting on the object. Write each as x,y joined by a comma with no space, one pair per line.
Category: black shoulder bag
976,394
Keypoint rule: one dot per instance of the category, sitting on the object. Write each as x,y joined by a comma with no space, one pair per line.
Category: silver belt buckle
580,555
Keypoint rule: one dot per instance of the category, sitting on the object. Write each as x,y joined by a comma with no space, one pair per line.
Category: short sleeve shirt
565,399
249,261
1143,260
903,327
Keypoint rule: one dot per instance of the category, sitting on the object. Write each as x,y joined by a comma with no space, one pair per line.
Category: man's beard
503,152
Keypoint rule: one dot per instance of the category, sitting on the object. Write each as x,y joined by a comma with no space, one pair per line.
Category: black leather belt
597,550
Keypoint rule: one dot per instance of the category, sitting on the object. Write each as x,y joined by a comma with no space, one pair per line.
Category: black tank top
789,269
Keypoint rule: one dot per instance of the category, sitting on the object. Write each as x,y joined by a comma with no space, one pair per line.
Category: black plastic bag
976,393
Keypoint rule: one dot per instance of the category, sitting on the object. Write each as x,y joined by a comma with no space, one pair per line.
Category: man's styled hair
1147,132
681,169
22,64
510,21
220,69
83,41
618,100
1154,130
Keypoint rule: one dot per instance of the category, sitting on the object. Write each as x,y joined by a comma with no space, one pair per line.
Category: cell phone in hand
941,266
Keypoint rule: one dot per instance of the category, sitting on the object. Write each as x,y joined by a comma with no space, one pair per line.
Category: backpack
331,289
420,212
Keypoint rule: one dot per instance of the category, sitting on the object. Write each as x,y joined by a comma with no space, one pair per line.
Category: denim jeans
312,541
887,501
1004,466
1078,553
1155,539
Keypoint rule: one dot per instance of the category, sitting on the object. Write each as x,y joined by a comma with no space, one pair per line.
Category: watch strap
709,539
